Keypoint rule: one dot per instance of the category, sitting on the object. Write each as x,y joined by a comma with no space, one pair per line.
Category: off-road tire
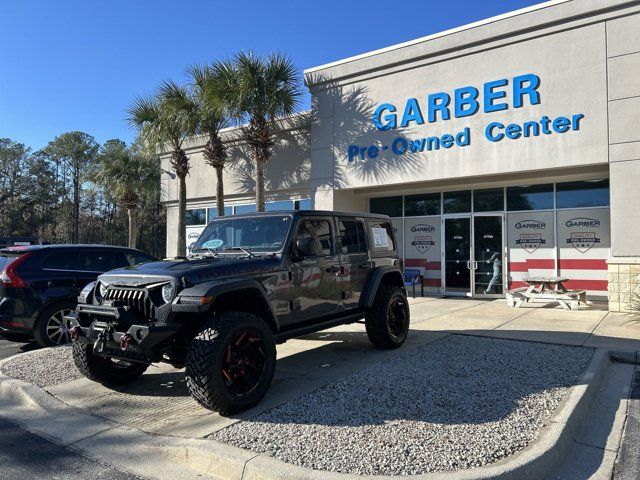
42,322
103,369
204,365
377,323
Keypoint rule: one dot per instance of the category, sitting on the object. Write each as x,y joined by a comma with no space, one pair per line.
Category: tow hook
75,332
125,341
101,343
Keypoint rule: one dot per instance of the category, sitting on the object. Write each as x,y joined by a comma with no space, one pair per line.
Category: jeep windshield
244,236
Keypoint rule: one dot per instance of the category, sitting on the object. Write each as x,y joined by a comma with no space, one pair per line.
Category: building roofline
436,35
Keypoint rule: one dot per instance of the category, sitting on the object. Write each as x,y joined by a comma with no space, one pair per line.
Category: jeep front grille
136,299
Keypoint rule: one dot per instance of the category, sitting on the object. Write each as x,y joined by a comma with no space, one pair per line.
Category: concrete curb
175,458
625,357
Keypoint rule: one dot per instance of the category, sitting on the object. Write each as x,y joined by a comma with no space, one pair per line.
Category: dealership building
502,149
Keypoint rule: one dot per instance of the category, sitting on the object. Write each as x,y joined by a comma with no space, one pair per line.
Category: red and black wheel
387,321
231,362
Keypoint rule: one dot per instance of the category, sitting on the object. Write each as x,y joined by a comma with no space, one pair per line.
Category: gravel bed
458,403
45,368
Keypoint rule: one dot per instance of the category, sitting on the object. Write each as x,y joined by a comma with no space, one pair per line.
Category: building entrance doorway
473,255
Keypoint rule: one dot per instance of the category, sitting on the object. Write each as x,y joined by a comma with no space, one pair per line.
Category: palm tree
259,90
128,174
212,117
164,122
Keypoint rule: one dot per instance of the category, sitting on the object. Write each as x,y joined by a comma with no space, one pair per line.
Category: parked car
251,281
39,285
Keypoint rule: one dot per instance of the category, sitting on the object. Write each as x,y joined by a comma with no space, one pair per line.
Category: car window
101,261
135,259
352,237
381,235
320,233
61,261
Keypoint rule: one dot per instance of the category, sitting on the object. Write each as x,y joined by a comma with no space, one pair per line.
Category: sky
78,64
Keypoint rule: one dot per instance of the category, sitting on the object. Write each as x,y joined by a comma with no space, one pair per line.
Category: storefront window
213,212
304,204
591,193
391,206
197,216
457,202
250,208
427,204
488,200
275,206
533,197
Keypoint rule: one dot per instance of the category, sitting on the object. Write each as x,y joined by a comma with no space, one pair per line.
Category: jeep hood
194,271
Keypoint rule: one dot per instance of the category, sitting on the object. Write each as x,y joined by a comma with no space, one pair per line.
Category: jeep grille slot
136,299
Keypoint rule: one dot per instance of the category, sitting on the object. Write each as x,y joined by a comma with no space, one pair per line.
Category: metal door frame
502,216
443,259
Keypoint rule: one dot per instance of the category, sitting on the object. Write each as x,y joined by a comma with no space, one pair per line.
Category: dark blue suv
39,285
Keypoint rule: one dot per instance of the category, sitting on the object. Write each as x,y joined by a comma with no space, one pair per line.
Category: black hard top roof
312,213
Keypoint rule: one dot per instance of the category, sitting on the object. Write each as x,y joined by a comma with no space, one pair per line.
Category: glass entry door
457,255
487,255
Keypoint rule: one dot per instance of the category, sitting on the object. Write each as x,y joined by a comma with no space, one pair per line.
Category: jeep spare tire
387,321
231,362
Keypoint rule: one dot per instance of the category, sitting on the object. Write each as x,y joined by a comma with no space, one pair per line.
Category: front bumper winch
115,332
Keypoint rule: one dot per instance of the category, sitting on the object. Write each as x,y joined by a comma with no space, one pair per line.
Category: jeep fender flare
386,274
188,300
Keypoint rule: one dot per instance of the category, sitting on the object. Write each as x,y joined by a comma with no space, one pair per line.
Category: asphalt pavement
10,348
628,462
25,456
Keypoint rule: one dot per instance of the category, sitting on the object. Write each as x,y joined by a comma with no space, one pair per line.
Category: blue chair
412,277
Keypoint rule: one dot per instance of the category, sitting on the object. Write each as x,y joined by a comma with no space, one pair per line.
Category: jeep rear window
381,234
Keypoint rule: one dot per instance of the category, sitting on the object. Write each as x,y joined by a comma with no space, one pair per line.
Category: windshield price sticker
380,238
215,243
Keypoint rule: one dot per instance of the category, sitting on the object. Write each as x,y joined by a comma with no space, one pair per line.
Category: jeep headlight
168,292
102,289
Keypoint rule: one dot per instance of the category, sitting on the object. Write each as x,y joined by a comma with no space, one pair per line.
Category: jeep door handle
364,265
332,269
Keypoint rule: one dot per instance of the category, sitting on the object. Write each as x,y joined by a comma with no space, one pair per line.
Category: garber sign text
494,96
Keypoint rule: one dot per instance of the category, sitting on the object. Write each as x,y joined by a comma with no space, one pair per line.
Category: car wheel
387,321
231,362
105,370
51,329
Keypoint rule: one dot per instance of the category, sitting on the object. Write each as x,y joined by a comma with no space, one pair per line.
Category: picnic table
546,289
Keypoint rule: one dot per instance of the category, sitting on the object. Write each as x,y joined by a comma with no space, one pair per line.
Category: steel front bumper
116,333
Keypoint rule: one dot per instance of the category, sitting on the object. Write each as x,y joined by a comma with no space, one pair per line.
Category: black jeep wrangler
250,282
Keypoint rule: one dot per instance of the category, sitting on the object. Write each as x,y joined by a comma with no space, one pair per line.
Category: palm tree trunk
259,183
182,213
219,192
132,212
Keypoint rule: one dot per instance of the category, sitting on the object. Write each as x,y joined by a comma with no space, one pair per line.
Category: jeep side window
381,234
352,237
316,235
